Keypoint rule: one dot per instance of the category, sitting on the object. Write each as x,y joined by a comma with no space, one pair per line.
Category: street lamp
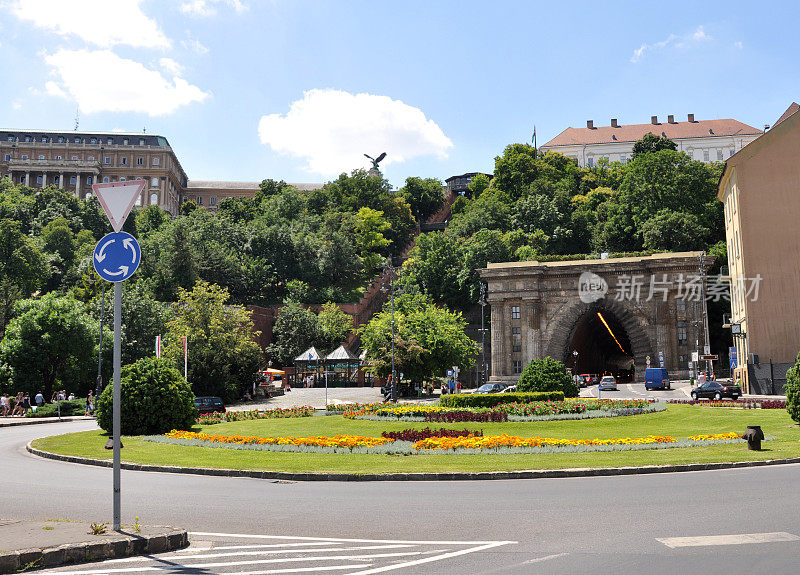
392,272
482,302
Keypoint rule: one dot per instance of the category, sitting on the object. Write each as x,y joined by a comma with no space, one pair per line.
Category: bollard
753,435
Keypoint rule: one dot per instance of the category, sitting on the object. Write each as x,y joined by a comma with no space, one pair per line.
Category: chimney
691,117
590,124
614,123
654,120
670,119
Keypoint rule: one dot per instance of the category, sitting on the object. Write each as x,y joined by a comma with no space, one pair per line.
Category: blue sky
298,90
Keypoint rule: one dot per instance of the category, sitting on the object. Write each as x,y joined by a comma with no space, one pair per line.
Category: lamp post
392,271
574,362
482,302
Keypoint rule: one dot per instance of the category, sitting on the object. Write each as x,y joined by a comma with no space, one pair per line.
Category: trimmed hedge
68,408
493,399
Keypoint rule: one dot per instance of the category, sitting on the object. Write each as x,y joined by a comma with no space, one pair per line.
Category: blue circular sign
117,256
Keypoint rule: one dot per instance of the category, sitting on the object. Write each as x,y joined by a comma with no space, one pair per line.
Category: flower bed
739,403
349,441
716,436
365,407
497,441
217,417
414,435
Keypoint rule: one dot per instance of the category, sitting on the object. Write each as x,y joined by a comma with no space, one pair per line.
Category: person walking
5,405
89,404
17,405
39,399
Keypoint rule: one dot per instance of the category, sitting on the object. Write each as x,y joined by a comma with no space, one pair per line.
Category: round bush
547,374
155,399
792,389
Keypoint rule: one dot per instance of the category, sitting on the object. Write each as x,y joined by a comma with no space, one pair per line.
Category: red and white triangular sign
117,199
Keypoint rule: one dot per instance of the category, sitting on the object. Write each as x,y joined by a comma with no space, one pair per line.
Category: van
656,378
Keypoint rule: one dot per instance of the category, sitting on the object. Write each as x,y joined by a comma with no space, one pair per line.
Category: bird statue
376,161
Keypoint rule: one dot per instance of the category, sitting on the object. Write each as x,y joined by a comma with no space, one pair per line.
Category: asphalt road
746,519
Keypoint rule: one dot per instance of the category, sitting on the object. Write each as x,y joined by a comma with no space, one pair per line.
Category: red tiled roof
789,111
633,132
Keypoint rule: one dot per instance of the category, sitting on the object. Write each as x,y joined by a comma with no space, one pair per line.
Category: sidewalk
12,421
28,545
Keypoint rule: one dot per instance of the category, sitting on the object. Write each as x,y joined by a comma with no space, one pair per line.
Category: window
730,152
24,156
590,162
27,138
91,158
517,367
107,160
212,201
153,199
623,159
123,160
56,179
110,141
106,180
736,242
154,182
515,312
44,139
682,335
516,339
74,157
11,138
139,161
705,155
122,178
61,139
72,180
89,180
77,140
58,157
199,200
41,156
8,157
38,179
680,304
719,155
155,161
138,200
141,141
93,141
125,141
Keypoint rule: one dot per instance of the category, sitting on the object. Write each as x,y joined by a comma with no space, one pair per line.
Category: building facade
76,160
703,140
760,189
617,315
209,194
460,184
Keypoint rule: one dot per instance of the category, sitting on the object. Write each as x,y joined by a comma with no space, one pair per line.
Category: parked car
608,382
656,378
491,388
717,390
209,404
510,389
585,379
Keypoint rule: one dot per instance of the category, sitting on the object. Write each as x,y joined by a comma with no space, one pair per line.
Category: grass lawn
679,421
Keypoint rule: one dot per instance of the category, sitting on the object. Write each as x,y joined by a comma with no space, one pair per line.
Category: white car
609,382
510,389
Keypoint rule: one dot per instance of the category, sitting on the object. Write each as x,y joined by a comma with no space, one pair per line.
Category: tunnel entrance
602,344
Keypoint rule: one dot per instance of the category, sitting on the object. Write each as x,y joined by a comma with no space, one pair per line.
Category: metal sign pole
117,400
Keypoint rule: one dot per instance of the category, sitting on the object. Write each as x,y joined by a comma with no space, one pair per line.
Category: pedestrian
458,387
26,403
17,405
71,396
89,404
39,399
5,405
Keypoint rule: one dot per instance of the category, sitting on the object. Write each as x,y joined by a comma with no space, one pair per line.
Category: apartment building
75,160
760,189
703,140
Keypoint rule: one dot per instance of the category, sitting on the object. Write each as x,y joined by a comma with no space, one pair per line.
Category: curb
41,420
452,476
122,546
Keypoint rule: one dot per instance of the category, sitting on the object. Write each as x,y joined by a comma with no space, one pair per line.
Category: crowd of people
21,404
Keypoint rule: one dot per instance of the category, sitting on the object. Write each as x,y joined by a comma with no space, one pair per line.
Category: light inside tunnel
605,323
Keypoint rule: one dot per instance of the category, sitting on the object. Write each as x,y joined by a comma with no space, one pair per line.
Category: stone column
498,341
61,180
77,184
44,179
27,178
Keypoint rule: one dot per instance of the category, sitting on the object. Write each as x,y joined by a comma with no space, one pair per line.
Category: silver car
609,382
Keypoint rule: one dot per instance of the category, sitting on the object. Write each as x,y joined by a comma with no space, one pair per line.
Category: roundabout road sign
116,256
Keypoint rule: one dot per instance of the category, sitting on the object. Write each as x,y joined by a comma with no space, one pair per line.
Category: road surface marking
740,539
434,558
340,540
545,558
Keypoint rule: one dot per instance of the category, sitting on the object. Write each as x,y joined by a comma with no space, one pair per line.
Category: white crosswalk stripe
260,554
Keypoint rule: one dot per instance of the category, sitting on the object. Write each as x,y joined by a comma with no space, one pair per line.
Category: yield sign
117,199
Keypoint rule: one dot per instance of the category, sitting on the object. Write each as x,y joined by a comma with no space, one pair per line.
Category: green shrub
155,399
68,409
493,399
792,389
547,374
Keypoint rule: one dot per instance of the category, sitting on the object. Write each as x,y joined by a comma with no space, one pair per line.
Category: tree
370,227
23,268
428,339
434,266
424,196
155,399
516,169
333,326
547,374
651,143
224,357
792,390
150,219
478,184
674,232
51,341
296,329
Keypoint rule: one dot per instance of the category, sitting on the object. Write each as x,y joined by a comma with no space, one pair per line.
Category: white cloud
170,66
672,41
101,22
126,86
194,45
205,8
333,129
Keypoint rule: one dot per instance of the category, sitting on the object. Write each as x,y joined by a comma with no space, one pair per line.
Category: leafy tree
424,196
516,169
490,211
51,341
333,326
792,390
434,266
370,227
428,339
296,329
651,143
674,232
150,219
483,247
223,355
155,399
478,184
547,374
23,268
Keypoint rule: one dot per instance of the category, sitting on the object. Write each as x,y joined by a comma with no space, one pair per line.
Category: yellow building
760,189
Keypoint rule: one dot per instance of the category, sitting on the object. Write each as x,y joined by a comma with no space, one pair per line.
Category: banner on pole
158,346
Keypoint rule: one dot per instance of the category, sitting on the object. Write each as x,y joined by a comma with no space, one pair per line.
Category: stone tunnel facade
597,316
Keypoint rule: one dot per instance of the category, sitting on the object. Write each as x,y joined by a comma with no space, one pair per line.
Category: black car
491,388
716,390
209,404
